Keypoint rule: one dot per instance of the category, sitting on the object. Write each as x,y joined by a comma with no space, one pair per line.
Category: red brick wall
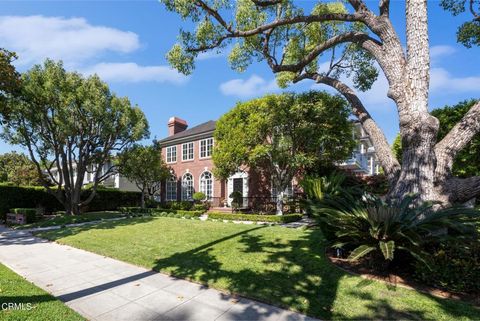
195,167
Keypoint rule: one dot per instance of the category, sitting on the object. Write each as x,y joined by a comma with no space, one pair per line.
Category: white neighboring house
363,160
115,180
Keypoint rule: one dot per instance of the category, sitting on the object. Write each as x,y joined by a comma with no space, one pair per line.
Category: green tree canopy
9,78
296,44
468,33
467,162
322,40
144,166
283,135
18,169
70,125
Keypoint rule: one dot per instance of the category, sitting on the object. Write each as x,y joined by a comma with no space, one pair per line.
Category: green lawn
70,219
278,265
44,307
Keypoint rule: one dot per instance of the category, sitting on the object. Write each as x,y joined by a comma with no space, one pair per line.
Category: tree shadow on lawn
295,275
56,234
292,274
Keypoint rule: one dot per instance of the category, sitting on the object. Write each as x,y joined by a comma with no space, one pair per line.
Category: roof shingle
206,127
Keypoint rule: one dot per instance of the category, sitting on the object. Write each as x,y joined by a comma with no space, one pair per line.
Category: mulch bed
395,277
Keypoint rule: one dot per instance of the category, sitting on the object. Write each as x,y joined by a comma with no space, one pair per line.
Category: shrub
362,227
108,199
30,213
455,267
237,199
287,218
183,205
181,212
26,197
33,197
134,210
199,196
201,207
171,215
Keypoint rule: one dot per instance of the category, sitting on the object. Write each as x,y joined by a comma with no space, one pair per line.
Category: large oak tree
350,41
70,125
9,79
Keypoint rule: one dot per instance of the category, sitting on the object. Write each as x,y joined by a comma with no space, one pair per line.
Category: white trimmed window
187,187
206,147
171,154
206,184
187,151
171,189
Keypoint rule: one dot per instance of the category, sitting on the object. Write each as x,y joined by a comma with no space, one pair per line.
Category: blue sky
125,42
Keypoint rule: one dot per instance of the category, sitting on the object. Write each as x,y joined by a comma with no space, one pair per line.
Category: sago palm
374,225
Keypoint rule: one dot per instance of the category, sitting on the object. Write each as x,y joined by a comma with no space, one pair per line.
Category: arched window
187,187
206,184
171,189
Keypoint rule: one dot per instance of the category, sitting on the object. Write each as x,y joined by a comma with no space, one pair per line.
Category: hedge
33,197
158,211
134,210
30,213
287,218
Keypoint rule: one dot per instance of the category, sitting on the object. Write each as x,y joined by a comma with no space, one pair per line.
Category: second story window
206,147
187,151
171,154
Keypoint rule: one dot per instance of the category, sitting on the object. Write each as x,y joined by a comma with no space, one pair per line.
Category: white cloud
131,72
442,80
441,51
251,87
211,54
73,40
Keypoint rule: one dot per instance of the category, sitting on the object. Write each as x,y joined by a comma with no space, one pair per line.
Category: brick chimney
176,125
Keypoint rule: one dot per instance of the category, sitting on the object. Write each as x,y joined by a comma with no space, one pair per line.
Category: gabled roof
197,131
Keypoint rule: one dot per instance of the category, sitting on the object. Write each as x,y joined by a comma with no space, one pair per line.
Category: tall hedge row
32,197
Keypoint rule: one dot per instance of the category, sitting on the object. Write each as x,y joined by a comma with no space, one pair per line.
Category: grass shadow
293,261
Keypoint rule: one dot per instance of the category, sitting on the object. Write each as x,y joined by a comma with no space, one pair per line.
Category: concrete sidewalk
102,288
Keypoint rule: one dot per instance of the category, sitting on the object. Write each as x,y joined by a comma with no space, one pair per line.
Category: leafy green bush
199,196
33,197
237,199
201,207
181,212
134,210
455,267
362,227
287,218
30,213
183,205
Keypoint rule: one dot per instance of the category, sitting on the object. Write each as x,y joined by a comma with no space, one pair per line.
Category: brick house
188,153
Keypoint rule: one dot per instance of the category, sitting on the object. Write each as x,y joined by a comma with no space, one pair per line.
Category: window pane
206,184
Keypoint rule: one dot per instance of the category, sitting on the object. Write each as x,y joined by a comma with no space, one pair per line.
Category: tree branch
463,189
384,8
461,134
353,36
277,23
382,148
266,3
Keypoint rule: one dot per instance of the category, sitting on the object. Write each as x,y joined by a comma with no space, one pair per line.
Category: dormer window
187,151
206,147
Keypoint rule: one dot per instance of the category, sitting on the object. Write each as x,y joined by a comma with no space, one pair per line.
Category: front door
238,185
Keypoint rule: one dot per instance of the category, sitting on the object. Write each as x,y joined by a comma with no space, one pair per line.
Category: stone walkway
102,288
